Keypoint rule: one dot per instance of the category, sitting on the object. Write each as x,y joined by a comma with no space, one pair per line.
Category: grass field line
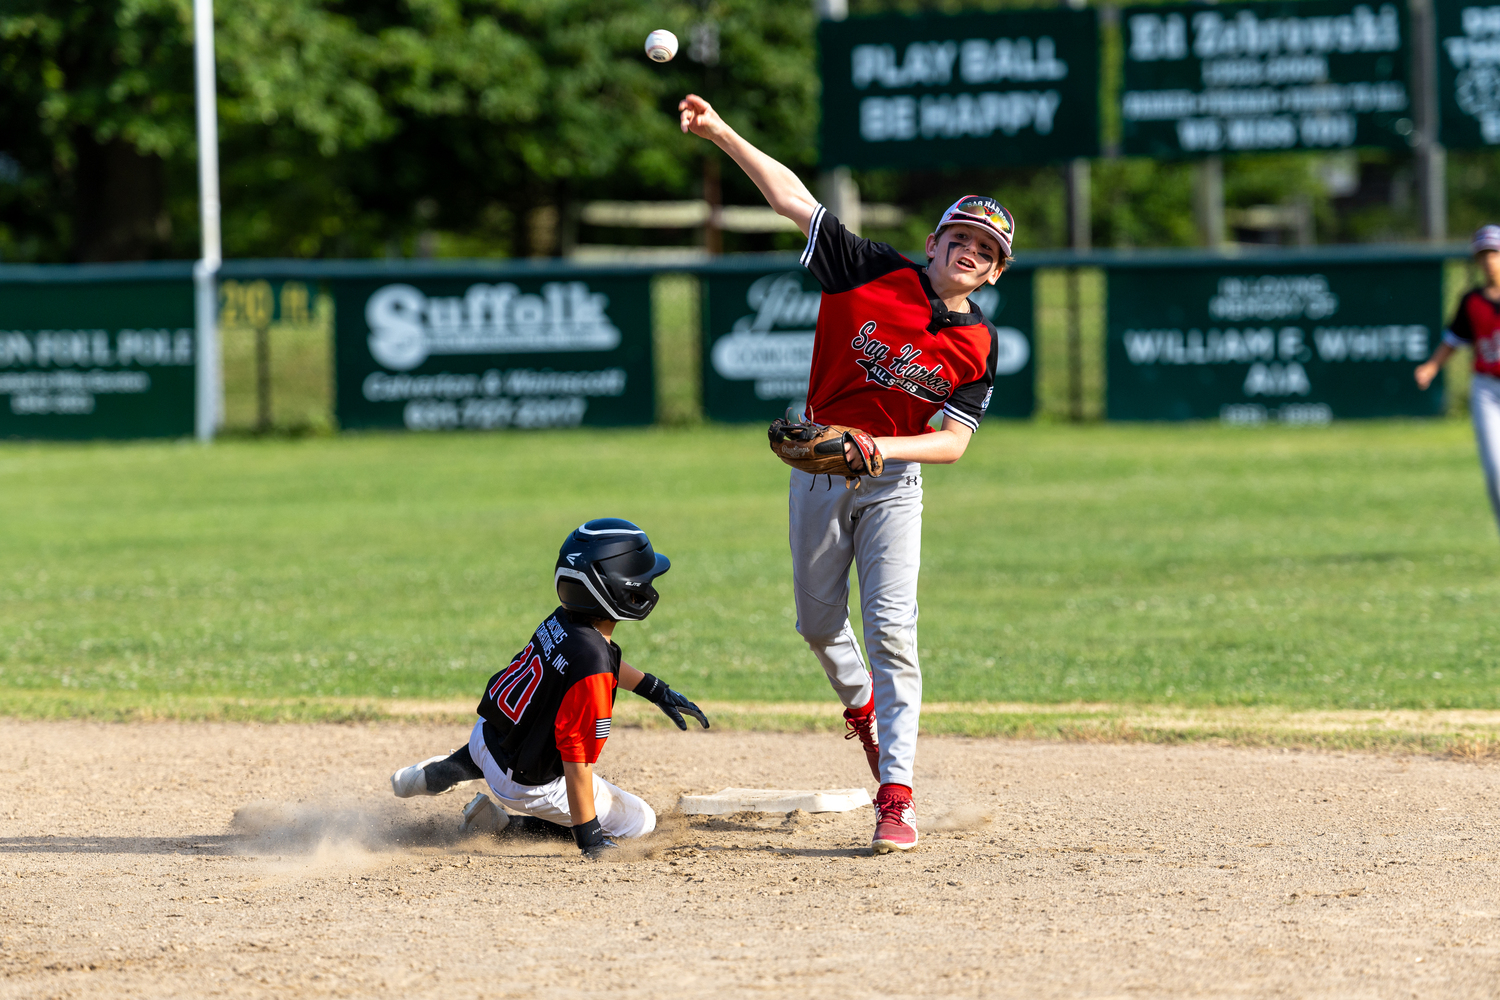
1470,734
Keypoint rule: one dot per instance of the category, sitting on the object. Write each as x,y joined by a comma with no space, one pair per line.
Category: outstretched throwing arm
784,191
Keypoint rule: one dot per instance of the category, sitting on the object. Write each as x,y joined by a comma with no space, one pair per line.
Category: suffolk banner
970,90
758,343
1228,78
1468,73
1252,343
449,353
104,357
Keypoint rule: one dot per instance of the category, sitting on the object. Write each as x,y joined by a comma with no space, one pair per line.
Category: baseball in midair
661,45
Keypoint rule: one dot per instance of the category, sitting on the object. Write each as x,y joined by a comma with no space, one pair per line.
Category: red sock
860,713
893,790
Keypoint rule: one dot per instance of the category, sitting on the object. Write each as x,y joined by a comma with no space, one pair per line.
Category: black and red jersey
888,355
1476,324
554,702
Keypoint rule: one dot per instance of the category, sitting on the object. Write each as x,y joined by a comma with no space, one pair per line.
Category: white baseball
661,45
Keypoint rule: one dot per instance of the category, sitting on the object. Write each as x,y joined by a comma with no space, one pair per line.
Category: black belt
494,742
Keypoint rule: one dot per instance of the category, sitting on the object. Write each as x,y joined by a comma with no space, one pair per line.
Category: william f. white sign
1294,346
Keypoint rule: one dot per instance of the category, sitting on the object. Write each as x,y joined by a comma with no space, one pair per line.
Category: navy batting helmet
605,568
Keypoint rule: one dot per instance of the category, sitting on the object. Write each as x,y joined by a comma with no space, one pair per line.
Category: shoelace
891,808
861,728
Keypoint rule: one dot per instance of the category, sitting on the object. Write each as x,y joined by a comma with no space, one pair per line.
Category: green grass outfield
1183,567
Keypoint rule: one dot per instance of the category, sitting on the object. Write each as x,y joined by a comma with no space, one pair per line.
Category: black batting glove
655,690
601,851
675,704
591,840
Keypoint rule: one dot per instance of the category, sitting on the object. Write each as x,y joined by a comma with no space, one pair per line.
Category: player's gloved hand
654,689
602,850
591,840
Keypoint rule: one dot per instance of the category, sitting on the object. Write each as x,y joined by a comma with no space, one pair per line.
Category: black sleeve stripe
812,234
961,417
969,402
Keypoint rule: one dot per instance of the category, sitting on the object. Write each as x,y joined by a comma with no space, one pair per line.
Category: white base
774,800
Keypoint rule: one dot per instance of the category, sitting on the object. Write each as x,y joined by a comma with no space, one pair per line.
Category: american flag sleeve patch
583,719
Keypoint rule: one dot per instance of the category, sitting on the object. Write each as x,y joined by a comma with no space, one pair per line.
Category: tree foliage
348,126
364,127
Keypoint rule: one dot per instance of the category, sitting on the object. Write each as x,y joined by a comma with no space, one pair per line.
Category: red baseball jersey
1476,324
888,355
554,702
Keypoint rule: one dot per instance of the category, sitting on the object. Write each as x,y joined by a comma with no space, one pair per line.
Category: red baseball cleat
861,722
895,820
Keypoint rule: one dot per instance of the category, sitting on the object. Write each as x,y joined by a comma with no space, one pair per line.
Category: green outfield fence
1304,335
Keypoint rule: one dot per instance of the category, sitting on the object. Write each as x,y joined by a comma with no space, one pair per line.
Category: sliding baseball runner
544,718
897,344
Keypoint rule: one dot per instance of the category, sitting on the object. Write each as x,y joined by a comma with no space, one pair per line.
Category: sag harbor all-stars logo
901,373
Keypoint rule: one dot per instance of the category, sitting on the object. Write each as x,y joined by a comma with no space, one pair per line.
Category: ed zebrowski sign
451,354
1314,74
758,367
1249,346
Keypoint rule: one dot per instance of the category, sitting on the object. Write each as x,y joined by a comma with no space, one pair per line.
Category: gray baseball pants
878,528
1484,405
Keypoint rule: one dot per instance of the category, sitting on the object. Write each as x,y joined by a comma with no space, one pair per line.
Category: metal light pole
1432,173
210,386
1076,176
1076,185
1208,201
836,187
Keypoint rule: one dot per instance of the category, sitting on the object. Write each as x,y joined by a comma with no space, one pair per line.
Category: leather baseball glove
819,449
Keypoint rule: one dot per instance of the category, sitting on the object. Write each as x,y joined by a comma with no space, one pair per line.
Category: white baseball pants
620,813
1484,405
877,527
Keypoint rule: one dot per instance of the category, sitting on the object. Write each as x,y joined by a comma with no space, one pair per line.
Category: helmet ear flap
576,597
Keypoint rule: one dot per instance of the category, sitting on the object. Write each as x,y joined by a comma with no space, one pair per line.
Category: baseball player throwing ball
543,719
897,343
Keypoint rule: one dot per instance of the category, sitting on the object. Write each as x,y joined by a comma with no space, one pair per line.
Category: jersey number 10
513,689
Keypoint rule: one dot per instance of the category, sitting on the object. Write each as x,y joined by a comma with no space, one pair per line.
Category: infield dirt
200,859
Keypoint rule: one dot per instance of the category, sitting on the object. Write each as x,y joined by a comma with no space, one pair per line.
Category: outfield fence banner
96,351
1202,79
560,348
758,342
1468,73
1252,342
1018,87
